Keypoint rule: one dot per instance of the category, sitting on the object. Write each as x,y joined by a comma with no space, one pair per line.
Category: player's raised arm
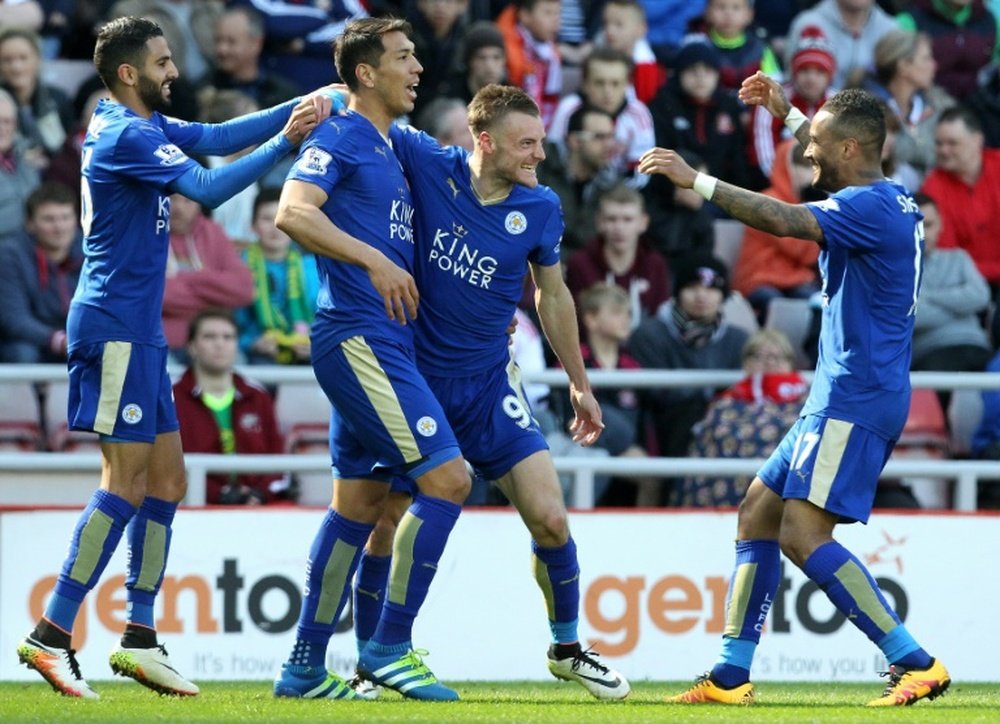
300,215
557,314
762,90
756,210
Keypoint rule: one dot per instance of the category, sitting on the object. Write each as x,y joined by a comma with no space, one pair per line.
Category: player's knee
794,546
550,529
452,484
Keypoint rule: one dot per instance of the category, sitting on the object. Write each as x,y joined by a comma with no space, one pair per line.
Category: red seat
926,430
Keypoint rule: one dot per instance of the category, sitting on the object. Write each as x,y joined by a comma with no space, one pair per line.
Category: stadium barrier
965,473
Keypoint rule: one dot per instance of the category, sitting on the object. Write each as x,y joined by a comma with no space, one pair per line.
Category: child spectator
691,111
530,29
619,256
741,53
605,85
484,61
624,27
39,270
605,314
203,270
812,70
748,419
275,328
221,411
771,266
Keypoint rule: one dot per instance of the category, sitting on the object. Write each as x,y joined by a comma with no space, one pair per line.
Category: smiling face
517,148
19,64
398,74
156,74
823,152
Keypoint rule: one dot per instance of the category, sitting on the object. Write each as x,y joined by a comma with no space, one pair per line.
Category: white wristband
704,185
794,120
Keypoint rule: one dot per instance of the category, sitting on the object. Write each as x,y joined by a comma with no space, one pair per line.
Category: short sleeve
852,219
547,251
145,153
323,158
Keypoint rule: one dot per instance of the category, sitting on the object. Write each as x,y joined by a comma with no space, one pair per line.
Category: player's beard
151,94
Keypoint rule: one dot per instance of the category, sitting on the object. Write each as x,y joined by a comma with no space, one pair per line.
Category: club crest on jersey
427,426
132,413
515,223
315,161
169,154
458,230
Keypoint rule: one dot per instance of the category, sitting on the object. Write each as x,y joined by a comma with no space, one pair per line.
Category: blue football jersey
368,198
471,257
127,165
871,263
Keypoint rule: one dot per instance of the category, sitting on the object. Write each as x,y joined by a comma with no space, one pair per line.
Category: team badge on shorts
132,414
515,223
427,426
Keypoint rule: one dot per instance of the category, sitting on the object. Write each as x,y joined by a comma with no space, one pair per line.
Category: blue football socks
370,584
149,534
557,571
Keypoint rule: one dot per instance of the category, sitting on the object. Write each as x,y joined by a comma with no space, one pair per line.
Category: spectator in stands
39,270
26,14
624,28
985,103
221,411
58,24
812,70
965,186
446,119
438,29
964,38
203,270
904,79
687,332
619,256
607,322
947,333
579,22
530,28
235,215
187,26
64,168
238,44
274,329
852,27
729,26
484,61
771,266
774,17
668,23
605,85
18,177
748,419
692,112
680,220
44,113
580,170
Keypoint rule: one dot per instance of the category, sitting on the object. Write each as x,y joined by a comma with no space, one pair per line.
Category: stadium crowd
613,78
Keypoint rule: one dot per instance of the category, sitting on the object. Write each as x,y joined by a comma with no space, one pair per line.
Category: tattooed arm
762,90
753,209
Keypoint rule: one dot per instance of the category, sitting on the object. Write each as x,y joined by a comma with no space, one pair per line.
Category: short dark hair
50,192
606,55
210,313
577,117
493,102
858,114
361,42
267,195
122,41
964,114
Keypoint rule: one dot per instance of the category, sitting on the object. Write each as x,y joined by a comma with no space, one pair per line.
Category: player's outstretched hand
762,90
308,112
397,289
587,424
670,164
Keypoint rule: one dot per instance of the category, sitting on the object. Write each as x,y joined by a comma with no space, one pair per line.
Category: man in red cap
813,68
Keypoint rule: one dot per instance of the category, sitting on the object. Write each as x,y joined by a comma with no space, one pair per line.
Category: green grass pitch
492,702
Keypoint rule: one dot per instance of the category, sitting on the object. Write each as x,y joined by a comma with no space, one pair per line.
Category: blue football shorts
833,464
121,390
491,418
385,421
